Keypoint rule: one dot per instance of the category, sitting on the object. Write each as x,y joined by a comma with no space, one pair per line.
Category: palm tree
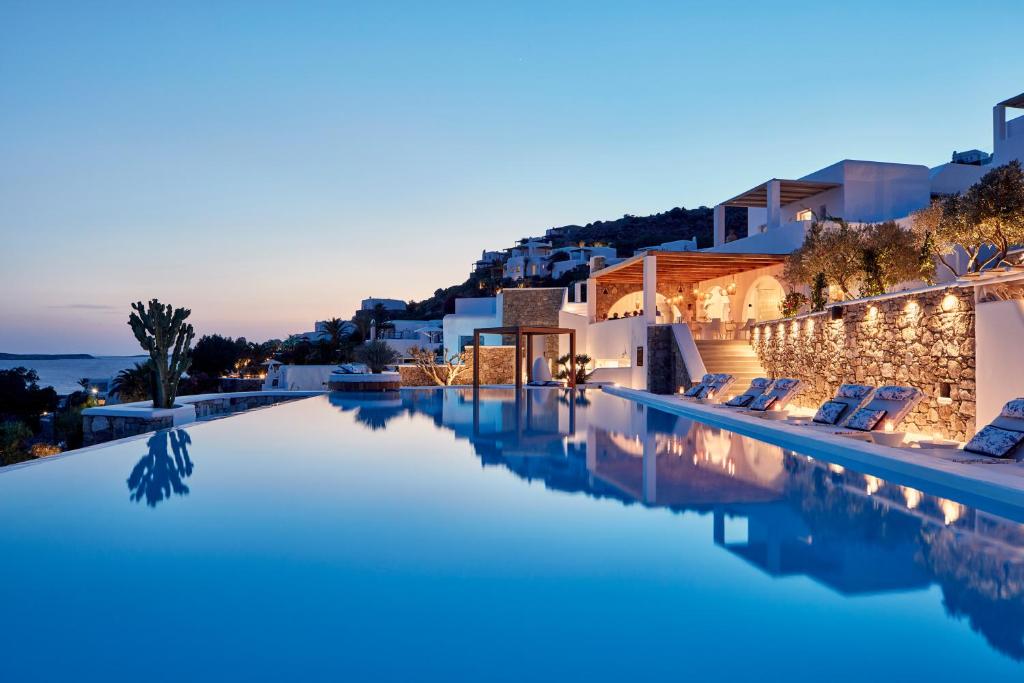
335,328
134,384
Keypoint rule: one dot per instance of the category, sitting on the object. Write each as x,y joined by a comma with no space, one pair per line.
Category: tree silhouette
157,474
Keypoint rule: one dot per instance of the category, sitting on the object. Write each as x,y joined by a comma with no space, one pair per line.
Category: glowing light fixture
951,511
949,302
873,484
912,496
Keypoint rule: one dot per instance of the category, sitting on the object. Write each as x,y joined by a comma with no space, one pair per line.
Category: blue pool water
563,537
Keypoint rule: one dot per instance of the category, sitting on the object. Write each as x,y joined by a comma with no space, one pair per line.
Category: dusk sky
270,164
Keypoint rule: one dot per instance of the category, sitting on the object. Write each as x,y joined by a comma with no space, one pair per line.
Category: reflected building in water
783,512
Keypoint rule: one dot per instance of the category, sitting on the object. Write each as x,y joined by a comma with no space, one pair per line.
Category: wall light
872,312
949,302
912,308
912,496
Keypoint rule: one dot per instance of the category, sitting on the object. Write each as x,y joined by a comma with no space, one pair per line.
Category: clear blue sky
269,164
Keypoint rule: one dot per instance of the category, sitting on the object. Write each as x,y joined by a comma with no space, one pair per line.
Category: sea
63,374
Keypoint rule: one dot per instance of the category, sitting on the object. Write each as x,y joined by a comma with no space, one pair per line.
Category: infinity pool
420,536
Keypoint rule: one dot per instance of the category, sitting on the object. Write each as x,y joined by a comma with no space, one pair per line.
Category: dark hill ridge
629,233
45,356
626,234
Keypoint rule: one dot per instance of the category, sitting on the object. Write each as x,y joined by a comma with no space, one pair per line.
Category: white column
650,300
650,475
719,218
592,295
998,126
774,204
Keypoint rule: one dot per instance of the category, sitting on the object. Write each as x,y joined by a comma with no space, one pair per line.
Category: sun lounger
711,386
782,392
889,405
1001,438
757,387
848,399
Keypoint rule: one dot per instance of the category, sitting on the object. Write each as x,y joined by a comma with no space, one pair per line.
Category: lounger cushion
694,390
1014,408
892,393
784,385
707,391
994,441
739,401
760,383
865,419
855,391
763,402
830,412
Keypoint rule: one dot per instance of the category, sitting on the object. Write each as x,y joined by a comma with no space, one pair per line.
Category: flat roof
1014,102
790,191
687,267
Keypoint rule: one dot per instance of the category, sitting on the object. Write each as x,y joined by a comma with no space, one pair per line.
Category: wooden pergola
686,267
519,332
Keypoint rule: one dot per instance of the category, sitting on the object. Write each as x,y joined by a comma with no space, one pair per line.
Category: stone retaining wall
100,428
497,366
923,339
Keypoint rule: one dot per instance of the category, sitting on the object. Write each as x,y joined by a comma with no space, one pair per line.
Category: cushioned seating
757,388
715,388
695,390
848,398
897,402
782,392
1002,437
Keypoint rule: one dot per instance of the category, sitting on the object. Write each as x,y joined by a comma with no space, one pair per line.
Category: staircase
734,357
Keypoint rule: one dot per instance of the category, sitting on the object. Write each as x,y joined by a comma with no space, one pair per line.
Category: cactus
160,330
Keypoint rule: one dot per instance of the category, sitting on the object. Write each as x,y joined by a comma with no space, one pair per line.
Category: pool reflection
161,472
785,513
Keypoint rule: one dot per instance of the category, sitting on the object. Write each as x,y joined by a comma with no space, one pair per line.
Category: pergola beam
519,332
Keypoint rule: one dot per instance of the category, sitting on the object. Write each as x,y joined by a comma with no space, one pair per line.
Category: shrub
443,372
14,436
792,304
582,374
377,355
819,292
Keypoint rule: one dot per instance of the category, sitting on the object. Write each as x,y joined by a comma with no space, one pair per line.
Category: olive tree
985,222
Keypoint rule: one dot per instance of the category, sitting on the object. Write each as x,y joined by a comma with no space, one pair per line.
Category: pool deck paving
952,473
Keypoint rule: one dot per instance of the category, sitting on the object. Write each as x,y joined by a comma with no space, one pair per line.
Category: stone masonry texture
906,340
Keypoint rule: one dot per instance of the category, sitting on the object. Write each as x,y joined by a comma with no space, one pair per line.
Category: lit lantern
949,302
